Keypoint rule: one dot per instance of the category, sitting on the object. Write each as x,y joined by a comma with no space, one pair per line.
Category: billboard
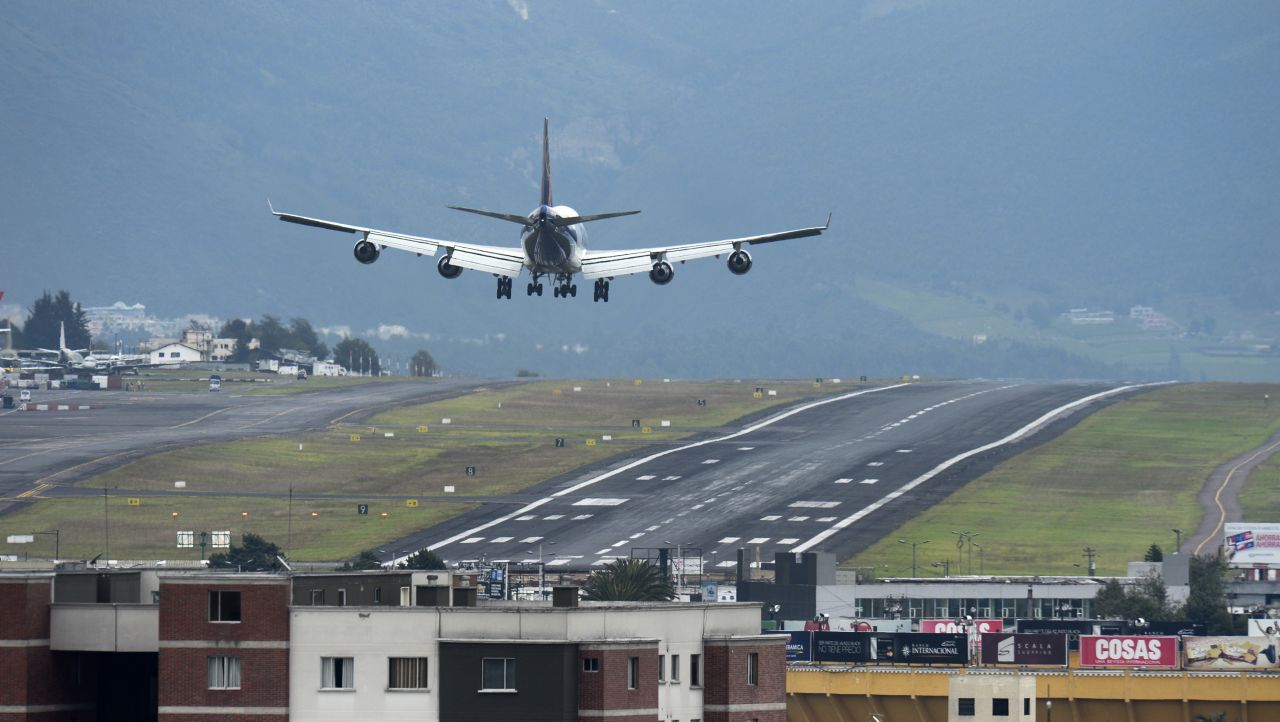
1176,629
890,648
1250,545
1123,650
799,646
951,626
1242,653
1024,649
1073,628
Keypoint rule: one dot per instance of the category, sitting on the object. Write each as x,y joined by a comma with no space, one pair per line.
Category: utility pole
1177,544
913,544
1090,552
106,524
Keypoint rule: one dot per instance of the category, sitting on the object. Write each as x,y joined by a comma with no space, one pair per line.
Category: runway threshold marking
1217,496
1025,430
640,462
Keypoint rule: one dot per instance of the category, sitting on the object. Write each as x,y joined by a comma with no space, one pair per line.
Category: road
834,476
40,449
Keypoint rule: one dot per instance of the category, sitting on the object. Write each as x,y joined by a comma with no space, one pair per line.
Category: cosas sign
950,626
1126,651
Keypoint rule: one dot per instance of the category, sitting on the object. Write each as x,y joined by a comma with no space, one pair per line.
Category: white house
175,353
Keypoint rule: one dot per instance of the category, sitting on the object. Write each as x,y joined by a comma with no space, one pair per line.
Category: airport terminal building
401,645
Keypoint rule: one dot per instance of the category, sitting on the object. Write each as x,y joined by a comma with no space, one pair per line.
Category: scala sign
1128,651
951,626
1024,649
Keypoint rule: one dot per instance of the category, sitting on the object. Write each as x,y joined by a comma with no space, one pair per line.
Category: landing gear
602,291
504,287
563,288
534,288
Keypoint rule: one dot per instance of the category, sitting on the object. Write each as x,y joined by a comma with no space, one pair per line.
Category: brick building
93,646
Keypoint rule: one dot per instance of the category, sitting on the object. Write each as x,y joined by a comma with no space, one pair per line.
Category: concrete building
194,646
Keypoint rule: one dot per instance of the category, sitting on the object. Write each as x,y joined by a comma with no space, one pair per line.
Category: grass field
1260,497
1118,481
507,435
247,383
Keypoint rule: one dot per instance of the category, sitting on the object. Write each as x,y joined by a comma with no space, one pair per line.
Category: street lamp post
1089,553
913,544
1177,544
980,565
965,536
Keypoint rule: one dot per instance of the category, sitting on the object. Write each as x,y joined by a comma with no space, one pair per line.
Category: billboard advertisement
1073,628
1024,649
1242,653
1128,651
951,626
1250,545
799,646
889,648
1176,629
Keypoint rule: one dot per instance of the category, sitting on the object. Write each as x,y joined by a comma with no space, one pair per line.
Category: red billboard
1128,651
951,626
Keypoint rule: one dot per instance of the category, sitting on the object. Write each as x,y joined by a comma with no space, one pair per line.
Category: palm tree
628,580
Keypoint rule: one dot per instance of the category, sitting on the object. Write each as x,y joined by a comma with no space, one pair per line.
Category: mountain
1077,153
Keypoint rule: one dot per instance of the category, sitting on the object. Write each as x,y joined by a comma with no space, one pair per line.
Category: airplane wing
489,259
608,264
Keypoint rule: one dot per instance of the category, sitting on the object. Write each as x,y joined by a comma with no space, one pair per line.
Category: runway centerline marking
658,455
202,418
1025,430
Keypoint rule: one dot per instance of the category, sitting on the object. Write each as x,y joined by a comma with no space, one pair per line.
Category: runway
41,449
835,476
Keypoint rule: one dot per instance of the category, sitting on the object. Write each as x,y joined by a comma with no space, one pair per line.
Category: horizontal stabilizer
570,220
509,217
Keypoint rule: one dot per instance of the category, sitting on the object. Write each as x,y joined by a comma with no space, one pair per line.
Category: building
175,353
399,645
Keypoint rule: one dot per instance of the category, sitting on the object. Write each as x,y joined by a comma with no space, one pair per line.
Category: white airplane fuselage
550,249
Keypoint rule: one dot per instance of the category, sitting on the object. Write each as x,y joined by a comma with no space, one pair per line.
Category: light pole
946,566
962,537
1090,552
1177,544
913,544
979,558
542,571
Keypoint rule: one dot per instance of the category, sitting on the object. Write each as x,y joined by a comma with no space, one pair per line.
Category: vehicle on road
215,382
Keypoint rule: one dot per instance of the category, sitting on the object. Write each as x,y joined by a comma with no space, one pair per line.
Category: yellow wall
919,694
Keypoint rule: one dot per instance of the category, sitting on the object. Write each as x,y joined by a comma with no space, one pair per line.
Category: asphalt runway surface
833,477
43,449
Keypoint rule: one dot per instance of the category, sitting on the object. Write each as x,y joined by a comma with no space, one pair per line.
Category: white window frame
662,669
695,670
216,610
338,673
753,669
508,674
413,668
633,673
675,669
224,672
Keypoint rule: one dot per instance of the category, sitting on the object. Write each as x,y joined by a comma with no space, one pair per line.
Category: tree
303,337
48,315
628,580
356,356
364,560
422,364
1154,553
254,555
242,331
1146,599
425,559
1207,602
272,335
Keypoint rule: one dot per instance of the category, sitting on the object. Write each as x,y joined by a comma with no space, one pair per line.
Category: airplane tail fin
545,198
62,336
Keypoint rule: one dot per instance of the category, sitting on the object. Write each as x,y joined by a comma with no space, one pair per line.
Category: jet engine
662,273
448,270
739,262
366,252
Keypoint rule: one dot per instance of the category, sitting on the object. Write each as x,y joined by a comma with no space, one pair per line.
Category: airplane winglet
828,225
273,208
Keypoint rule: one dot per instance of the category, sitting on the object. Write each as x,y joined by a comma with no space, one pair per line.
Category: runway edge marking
639,462
1024,431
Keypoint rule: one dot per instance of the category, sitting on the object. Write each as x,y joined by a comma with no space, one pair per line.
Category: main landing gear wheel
601,292
504,287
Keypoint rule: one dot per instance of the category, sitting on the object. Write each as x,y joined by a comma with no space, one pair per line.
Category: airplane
86,360
553,245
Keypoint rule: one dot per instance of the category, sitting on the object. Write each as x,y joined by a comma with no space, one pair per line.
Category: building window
337,672
695,670
317,597
675,668
224,606
342,597
590,664
966,707
753,668
377,595
498,673
407,673
1026,705
999,706
224,673
662,668
406,598
633,672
